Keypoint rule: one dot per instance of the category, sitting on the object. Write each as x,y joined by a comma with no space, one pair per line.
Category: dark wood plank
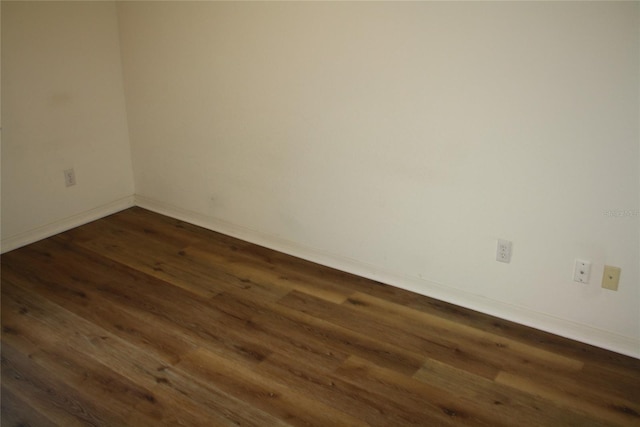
291,405
48,393
15,412
444,407
437,346
373,407
505,403
323,339
564,392
504,354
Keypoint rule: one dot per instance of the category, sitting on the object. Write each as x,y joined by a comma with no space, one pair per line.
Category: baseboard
521,315
23,239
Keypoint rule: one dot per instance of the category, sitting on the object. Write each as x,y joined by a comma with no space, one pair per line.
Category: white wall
62,107
400,140
393,140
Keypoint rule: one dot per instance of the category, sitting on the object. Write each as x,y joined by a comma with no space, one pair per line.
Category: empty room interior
320,213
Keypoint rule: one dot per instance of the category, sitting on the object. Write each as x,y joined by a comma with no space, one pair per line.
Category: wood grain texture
139,319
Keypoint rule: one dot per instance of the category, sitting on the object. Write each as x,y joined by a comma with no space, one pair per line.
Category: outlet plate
69,177
582,271
611,277
503,252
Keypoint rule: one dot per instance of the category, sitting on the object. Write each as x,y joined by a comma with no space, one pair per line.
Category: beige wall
62,107
394,140
400,140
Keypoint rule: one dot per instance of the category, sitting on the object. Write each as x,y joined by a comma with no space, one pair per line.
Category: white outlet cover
503,251
582,271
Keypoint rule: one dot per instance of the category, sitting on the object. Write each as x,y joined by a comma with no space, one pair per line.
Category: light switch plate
611,277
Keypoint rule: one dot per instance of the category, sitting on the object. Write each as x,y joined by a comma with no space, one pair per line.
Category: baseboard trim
31,236
521,315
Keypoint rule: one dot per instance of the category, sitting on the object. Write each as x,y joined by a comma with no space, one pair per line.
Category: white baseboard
23,239
522,315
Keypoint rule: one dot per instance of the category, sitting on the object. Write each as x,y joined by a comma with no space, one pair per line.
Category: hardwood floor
138,319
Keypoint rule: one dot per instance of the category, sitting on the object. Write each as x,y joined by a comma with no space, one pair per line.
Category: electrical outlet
611,277
582,271
69,177
503,253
